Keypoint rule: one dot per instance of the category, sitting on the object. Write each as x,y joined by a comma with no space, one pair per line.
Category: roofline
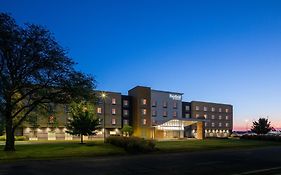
167,91
211,103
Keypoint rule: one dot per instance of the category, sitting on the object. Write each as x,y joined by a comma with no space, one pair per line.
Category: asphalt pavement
255,161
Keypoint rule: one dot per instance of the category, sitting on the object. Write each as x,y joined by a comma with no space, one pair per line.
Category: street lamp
247,122
103,96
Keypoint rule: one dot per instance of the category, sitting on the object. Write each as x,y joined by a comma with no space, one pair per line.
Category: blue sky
221,51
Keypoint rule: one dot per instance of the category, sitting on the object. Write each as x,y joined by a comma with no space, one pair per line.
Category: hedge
262,137
132,144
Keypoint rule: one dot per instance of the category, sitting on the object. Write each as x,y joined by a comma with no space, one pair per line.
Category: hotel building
152,114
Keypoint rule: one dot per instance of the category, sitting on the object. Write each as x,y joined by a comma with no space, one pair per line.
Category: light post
103,96
247,122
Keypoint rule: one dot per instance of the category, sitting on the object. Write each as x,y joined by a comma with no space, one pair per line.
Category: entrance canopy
177,124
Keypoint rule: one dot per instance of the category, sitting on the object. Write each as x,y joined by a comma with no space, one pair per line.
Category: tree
2,126
83,121
127,130
262,126
34,71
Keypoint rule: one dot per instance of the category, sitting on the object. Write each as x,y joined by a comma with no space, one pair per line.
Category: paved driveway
252,161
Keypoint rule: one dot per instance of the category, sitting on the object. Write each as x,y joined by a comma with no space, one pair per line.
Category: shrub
262,137
17,138
132,144
2,138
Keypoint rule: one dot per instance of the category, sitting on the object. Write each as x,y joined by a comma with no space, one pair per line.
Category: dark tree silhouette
262,126
83,121
34,70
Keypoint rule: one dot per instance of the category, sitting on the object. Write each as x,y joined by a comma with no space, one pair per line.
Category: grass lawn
211,144
59,149
64,149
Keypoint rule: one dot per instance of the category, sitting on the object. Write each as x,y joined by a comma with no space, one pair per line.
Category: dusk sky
217,51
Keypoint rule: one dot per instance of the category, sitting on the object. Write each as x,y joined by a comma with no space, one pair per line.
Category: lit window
219,124
125,122
187,115
154,113
164,104
99,110
125,112
205,116
226,110
227,124
143,101
197,115
113,121
175,104
154,103
205,108
213,117
220,117
220,110
187,108
144,121
125,102
113,111
175,114
213,109
143,111
226,118
197,108
113,101
164,113
213,124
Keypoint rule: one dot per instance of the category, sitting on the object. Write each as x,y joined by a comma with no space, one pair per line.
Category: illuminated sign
175,96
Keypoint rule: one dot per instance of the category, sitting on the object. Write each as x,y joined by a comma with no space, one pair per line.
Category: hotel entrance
175,128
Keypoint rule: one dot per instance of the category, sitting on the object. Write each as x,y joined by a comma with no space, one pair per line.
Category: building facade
152,114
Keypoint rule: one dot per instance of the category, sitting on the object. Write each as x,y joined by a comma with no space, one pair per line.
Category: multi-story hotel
152,114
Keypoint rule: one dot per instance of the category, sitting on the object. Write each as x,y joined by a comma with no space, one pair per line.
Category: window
113,121
220,110
144,121
213,109
164,113
165,104
213,117
175,114
154,113
154,103
213,124
197,108
227,124
113,111
99,110
226,110
187,108
187,115
226,118
125,122
175,104
143,101
125,112
220,117
205,108
197,115
205,116
219,124
113,101
143,111
125,102
206,124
